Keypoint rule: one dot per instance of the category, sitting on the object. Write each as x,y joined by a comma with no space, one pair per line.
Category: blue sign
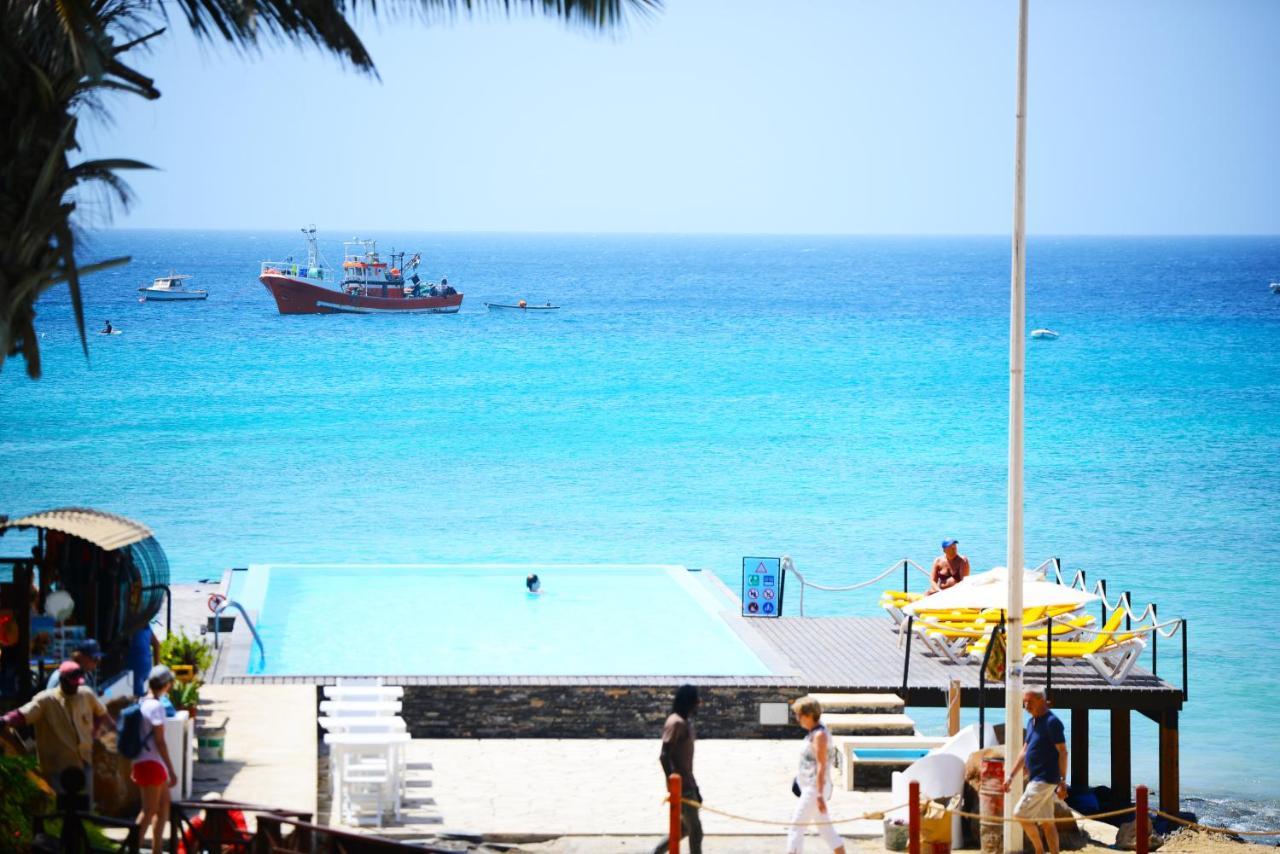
762,581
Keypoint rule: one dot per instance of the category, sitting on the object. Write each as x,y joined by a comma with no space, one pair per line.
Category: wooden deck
836,654
862,654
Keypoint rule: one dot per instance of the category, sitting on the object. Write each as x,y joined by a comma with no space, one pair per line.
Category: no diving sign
762,587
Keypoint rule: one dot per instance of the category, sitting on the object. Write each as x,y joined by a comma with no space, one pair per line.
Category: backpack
129,740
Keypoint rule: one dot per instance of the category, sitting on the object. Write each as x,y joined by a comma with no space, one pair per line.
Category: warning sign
762,580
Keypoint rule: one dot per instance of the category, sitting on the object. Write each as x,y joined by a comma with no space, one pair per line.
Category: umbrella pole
1017,364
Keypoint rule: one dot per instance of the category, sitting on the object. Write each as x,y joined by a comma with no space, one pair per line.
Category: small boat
1275,287
370,283
170,288
1044,334
520,306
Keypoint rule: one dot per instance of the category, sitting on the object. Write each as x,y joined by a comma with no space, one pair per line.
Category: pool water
906,754
481,621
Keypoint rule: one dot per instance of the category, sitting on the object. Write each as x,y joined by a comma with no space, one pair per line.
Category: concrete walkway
528,788
270,745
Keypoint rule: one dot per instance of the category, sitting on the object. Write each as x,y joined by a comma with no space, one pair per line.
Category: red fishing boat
368,283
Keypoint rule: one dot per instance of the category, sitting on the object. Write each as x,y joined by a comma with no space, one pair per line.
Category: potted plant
186,656
185,695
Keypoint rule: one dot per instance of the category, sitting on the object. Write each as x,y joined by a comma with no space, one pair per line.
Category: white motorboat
1044,334
520,306
170,288
1275,287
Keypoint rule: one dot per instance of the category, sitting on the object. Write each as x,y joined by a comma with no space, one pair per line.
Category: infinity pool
480,621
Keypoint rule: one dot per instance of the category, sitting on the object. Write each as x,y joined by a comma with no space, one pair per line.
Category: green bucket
210,743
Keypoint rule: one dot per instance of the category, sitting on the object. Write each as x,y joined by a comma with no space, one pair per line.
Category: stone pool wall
585,711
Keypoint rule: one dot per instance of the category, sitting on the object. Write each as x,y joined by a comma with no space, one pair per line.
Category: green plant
178,648
184,695
23,797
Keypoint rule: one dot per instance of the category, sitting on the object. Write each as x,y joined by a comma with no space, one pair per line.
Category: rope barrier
873,815
1211,829
880,814
876,815
788,565
1063,820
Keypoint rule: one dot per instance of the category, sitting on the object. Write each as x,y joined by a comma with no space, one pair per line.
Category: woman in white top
813,779
152,770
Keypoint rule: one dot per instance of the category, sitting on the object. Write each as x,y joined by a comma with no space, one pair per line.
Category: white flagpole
1017,362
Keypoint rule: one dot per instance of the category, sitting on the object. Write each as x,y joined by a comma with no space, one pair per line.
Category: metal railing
217,626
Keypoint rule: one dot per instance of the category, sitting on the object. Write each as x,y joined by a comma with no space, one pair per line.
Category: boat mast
1017,365
313,253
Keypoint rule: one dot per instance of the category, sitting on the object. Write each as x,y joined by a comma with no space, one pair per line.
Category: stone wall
584,711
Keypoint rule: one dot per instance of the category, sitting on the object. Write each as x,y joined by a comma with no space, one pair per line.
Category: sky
724,116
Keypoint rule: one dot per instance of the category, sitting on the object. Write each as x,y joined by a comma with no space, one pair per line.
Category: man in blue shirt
1044,753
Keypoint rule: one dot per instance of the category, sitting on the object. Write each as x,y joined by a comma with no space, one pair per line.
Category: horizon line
560,233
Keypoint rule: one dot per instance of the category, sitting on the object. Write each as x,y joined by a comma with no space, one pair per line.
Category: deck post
1080,748
1121,761
953,707
1170,795
673,825
1143,843
913,818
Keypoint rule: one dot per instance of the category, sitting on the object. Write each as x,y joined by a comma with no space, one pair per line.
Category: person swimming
533,583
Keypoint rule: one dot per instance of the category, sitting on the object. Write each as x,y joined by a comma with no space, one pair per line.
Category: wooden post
1144,822
1170,796
913,820
953,707
1080,748
673,826
1121,761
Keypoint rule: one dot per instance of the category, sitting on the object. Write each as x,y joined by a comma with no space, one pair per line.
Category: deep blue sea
698,399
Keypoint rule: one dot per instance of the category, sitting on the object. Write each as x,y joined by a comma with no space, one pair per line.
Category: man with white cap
949,568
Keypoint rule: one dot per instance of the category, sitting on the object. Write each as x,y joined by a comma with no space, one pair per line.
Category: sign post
762,580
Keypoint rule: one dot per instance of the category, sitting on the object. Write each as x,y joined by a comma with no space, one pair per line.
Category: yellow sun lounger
1112,654
956,644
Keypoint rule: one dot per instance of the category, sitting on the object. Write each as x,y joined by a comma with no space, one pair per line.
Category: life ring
215,601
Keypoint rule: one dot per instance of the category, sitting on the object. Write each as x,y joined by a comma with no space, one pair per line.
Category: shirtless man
949,568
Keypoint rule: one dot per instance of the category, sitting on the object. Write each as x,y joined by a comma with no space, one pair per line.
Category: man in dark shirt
677,758
1044,753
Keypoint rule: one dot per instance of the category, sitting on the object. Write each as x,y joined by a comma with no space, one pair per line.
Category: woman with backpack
152,768
813,784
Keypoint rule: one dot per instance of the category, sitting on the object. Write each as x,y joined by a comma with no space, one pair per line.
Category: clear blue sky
821,116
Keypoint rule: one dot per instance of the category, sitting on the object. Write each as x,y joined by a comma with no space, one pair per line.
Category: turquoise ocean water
698,399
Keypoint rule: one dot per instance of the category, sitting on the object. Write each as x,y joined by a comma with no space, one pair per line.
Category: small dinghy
1044,334
520,306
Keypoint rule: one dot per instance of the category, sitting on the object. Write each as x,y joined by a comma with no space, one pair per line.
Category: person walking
152,768
1044,753
65,720
677,758
813,780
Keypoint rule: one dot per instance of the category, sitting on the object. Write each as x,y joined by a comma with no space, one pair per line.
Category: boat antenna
313,252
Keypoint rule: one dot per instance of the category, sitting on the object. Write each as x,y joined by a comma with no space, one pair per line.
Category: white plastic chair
368,708
367,772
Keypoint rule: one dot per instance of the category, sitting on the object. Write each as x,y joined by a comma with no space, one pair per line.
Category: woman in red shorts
152,770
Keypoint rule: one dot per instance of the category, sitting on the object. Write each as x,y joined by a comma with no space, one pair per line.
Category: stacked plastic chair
367,740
